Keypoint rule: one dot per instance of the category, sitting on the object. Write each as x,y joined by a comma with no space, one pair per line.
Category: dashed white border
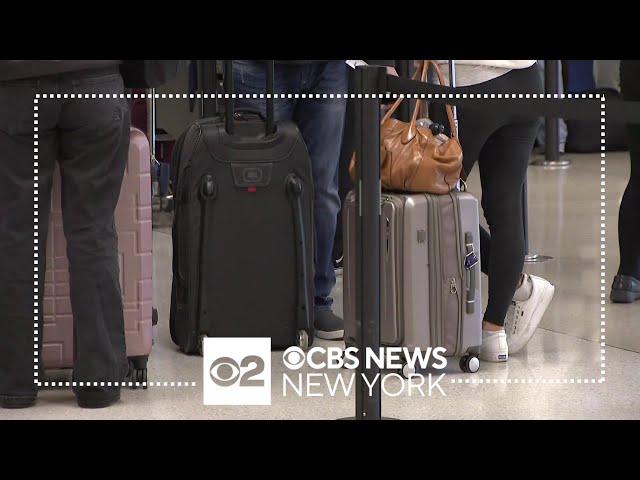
36,273
603,280
325,95
36,290
331,96
117,384
603,237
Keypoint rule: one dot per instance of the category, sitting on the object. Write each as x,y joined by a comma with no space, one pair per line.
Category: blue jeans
321,123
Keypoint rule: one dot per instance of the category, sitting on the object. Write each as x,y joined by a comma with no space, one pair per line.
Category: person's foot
527,309
337,262
494,346
625,289
10,401
89,399
328,325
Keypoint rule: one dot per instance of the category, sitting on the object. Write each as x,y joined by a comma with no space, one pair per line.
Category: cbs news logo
237,371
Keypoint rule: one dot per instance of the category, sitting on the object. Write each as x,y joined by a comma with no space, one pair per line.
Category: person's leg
249,77
94,142
626,285
18,387
321,123
503,166
345,184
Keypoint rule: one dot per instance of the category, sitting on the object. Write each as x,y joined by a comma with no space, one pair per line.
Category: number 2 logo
225,371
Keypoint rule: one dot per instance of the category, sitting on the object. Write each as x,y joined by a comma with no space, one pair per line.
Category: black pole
209,85
525,218
368,256
403,67
551,84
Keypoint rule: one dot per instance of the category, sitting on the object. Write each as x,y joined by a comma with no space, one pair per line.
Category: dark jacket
24,69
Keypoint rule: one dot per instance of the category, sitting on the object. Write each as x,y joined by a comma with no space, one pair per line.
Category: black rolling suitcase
243,235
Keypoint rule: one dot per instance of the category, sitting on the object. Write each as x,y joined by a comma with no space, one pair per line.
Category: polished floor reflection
558,375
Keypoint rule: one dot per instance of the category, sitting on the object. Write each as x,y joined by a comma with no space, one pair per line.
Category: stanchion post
528,256
403,67
209,85
551,81
525,218
368,251
552,156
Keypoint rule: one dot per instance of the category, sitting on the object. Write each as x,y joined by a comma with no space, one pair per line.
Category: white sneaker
524,317
494,346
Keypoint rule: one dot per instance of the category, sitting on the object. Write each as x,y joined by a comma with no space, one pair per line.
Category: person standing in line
89,139
502,146
626,284
321,122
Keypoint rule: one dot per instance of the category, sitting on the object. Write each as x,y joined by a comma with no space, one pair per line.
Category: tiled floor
544,381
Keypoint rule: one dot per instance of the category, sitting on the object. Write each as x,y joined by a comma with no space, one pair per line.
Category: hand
392,71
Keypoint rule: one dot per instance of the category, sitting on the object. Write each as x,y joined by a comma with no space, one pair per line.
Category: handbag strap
422,72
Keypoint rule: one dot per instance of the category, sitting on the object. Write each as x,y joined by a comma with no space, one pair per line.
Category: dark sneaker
8,401
328,325
625,289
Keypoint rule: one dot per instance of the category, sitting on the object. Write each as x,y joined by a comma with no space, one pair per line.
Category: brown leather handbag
411,159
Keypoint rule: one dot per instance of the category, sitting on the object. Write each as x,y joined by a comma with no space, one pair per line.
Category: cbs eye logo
225,371
293,358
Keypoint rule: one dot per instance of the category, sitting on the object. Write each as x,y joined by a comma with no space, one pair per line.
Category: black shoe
95,400
625,289
328,325
9,401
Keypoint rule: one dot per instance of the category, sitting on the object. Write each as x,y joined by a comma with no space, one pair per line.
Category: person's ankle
491,327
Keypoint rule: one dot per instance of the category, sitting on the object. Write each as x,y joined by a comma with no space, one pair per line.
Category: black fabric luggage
243,232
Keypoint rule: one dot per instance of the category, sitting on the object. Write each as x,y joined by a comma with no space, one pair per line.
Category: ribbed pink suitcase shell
134,226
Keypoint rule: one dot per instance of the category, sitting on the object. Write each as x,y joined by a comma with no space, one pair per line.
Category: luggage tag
470,260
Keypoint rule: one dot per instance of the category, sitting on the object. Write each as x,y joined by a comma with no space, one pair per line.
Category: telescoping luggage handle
229,107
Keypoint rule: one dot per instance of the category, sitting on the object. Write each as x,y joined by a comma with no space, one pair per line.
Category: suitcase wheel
407,371
469,363
138,371
201,344
304,340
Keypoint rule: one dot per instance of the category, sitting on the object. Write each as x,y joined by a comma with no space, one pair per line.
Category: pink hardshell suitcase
135,244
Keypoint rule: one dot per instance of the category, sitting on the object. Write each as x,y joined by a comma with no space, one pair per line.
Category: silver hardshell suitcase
430,272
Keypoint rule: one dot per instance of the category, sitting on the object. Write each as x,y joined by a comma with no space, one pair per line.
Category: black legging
502,147
629,219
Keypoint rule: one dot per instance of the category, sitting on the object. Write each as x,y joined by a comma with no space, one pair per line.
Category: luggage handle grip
471,261
229,107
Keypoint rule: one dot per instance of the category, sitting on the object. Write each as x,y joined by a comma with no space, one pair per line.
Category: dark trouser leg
17,283
94,141
628,221
503,166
